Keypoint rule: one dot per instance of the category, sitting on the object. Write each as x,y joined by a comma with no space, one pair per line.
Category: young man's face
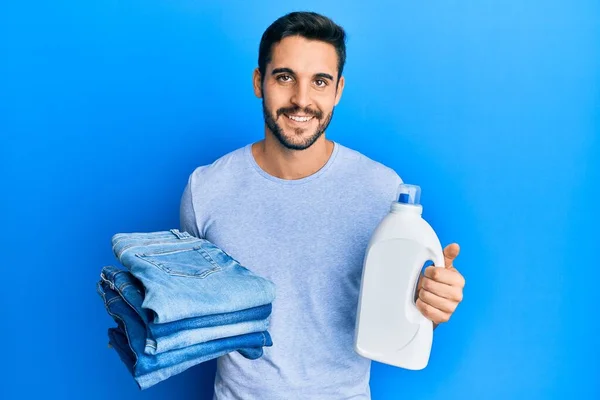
300,90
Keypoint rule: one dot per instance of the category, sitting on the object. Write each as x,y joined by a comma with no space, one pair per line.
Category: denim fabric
118,340
200,278
129,338
179,334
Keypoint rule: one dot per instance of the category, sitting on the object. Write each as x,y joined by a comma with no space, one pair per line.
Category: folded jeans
129,338
201,278
183,333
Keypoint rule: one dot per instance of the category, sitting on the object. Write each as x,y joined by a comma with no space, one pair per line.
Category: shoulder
220,170
369,169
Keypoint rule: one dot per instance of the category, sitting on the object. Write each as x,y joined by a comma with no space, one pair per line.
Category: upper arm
187,215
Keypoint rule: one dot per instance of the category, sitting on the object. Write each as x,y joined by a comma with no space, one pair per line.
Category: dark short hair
309,25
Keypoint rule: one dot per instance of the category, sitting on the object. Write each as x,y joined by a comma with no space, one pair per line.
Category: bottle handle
437,256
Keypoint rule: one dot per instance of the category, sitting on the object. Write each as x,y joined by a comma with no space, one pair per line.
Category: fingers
441,289
446,276
432,313
437,302
450,253
452,293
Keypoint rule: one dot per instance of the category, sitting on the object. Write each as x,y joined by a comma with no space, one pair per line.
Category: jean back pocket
192,262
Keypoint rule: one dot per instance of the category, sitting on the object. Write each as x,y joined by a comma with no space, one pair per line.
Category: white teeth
299,119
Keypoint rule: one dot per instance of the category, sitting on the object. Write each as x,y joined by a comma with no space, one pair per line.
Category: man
299,209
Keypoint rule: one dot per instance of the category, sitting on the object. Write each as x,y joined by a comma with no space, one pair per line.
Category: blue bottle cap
409,194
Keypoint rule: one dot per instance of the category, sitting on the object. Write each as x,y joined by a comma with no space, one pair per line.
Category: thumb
450,253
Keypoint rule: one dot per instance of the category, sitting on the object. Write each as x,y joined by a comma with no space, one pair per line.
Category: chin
299,142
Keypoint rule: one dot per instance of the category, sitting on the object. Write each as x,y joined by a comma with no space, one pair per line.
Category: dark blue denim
129,340
189,331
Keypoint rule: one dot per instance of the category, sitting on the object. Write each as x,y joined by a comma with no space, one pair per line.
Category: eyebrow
289,71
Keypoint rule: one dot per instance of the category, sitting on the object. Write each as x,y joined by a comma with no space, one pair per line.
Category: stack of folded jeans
182,301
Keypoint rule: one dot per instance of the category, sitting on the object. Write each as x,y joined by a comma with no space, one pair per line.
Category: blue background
493,107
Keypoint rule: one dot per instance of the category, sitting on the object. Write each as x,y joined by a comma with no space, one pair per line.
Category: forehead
304,56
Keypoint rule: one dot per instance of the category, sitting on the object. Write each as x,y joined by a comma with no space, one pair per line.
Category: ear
339,89
256,83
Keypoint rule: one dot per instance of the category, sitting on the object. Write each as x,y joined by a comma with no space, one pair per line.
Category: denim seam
106,305
125,236
124,286
116,345
170,251
101,291
127,335
174,273
224,253
122,297
112,277
149,242
179,234
113,300
106,276
208,258
105,279
204,253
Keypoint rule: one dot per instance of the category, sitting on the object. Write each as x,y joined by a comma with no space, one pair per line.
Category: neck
284,163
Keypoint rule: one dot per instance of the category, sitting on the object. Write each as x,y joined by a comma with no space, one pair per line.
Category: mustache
318,114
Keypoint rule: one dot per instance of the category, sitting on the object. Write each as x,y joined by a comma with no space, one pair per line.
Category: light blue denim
179,334
128,339
200,278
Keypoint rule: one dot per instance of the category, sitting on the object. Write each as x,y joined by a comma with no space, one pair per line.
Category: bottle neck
415,209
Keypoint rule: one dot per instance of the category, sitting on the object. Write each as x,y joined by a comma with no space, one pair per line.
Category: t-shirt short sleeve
187,216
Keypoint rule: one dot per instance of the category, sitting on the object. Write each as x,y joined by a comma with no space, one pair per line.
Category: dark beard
278,132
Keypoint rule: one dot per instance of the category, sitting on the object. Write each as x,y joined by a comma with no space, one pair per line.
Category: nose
301,96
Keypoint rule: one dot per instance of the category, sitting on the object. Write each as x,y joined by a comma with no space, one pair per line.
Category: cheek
273,104
276,95
325,101
326,107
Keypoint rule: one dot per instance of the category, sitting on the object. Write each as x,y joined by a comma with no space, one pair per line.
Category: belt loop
180,235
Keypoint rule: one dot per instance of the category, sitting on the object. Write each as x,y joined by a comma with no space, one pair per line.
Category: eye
284,78
321,83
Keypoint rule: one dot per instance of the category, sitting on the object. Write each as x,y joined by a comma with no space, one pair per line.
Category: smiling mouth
297,118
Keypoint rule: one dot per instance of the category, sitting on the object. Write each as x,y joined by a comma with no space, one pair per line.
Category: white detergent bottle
389,327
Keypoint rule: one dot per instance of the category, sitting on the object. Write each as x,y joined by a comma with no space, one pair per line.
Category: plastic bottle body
389,327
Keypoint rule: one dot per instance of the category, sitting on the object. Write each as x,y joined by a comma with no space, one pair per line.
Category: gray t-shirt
309,237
